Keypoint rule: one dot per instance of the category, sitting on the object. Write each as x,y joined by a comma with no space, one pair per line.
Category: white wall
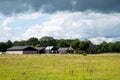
14,52
0,52
21,52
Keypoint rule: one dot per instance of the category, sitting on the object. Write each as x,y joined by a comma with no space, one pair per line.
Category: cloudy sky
96,20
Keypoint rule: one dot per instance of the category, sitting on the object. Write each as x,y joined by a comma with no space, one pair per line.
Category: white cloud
1,16
41,30
5,30
80,25
29,16
98,40
96,27
4,33
7,21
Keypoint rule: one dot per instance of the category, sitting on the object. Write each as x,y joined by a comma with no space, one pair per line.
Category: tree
111,47
19,43
2,47
38,45
116,47
104,47
84,45
63,43
32,41
47,41
75,44
9,44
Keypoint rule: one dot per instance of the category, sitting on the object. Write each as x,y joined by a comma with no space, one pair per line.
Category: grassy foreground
60,67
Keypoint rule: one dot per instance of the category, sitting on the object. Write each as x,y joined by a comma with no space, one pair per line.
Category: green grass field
60,67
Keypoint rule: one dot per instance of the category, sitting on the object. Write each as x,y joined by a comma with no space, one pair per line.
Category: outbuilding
66,50
91,48
0,52
51,49
40,50
21,50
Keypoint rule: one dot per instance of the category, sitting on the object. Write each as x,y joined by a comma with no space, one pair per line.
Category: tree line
79,46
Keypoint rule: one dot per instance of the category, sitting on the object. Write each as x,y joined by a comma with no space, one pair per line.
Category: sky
95,20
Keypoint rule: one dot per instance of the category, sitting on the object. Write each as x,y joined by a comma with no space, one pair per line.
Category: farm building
51,49
0,52
40,50
66,50
21,50
91,48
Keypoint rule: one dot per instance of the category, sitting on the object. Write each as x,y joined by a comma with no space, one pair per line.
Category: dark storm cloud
18,6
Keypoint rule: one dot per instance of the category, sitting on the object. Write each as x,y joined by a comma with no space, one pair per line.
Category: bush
84,54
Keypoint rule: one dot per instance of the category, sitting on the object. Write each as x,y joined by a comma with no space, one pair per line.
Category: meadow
60,67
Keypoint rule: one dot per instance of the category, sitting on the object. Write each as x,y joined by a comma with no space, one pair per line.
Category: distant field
60,67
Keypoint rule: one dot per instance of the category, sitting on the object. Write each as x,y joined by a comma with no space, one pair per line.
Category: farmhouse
21,50
40,50
66,50
51,49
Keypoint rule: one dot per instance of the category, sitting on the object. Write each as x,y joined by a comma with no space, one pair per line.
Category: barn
66,50
40,50
51,49
91,48
21,50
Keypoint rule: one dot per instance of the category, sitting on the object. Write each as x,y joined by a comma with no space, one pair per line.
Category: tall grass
60,67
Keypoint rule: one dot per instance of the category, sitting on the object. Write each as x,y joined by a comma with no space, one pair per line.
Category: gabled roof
40,48
63,49
70,48
49,47
66,49
18,48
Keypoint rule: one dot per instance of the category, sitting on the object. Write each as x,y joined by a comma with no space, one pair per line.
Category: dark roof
66,49
40,48
62,49
19,48
70,48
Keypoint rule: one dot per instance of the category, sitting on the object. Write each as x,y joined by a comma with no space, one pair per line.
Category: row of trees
50,41
4,46
105,47
46,41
